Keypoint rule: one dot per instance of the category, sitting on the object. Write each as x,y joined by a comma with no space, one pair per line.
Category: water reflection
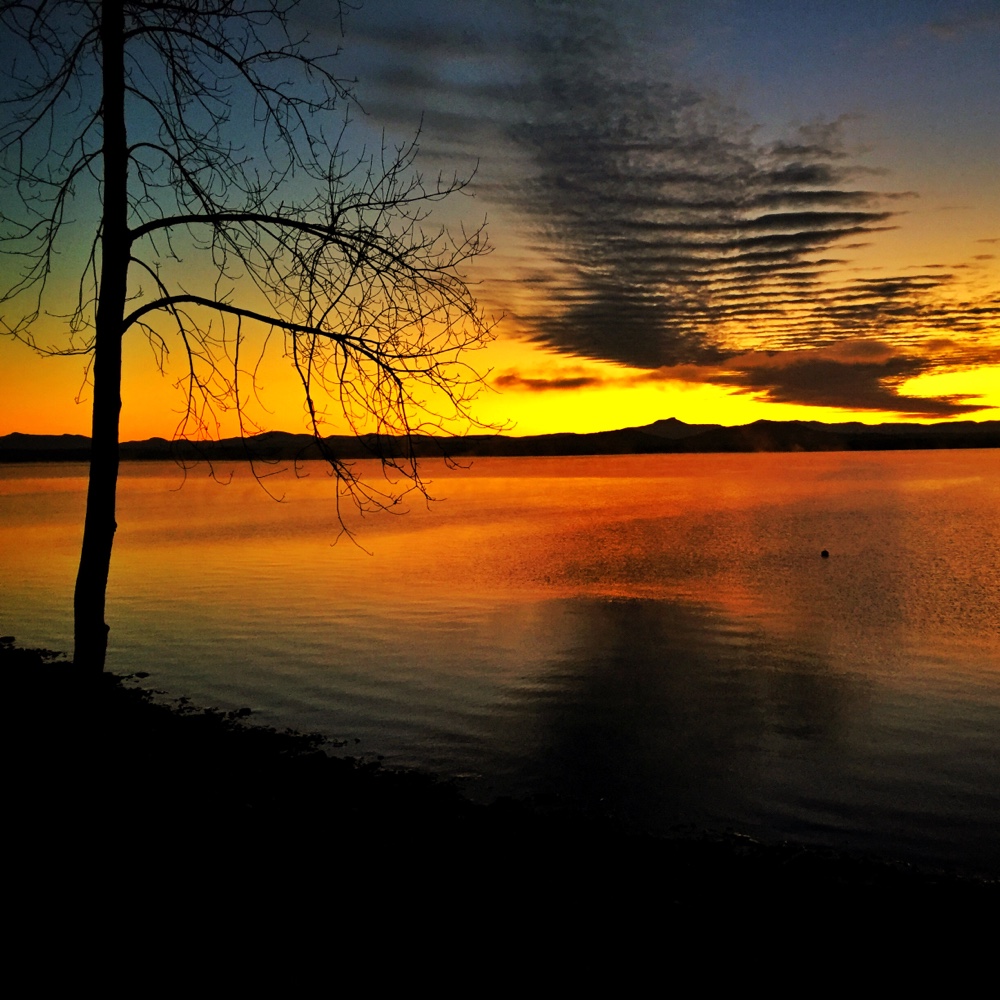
667,715
655,637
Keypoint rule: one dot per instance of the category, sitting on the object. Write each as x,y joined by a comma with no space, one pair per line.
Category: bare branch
288,232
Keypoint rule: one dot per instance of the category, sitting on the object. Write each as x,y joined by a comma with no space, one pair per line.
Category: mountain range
662,436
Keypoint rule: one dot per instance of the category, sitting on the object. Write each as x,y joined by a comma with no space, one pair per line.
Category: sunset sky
720,210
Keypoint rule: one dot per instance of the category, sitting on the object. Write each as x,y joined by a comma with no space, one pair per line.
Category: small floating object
825,554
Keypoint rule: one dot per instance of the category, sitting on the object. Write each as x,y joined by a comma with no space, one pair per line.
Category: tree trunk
90,629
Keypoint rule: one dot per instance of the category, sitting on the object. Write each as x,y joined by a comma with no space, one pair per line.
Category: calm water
656,636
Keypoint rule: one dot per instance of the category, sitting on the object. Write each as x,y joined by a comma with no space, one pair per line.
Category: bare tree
180,166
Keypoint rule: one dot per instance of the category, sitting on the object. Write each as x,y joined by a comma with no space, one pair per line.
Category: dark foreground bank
109,785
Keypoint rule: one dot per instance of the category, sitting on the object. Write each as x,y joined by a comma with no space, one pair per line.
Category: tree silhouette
178,168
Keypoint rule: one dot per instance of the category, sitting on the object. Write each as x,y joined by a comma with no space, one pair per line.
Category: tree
208,131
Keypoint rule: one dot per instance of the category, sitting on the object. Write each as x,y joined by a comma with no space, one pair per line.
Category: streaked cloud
658,229
975,18
512,380
867,376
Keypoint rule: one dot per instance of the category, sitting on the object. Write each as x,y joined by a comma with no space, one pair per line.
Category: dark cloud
680,236
512,380
969,22
851,375
454,68
669,233
817,378
665,216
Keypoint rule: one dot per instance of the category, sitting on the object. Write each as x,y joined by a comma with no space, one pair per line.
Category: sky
720,211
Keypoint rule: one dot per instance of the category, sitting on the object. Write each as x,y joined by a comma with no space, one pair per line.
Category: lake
655,637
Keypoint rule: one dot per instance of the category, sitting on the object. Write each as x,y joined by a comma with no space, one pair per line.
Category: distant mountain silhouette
663,436
675,429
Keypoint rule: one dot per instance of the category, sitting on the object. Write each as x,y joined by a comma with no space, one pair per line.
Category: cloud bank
660,230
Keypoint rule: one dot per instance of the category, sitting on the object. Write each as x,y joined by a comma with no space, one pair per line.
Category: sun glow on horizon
528,390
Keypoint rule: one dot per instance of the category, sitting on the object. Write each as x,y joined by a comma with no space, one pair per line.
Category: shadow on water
668,715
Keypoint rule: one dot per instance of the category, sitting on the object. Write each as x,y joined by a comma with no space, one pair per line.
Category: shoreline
215,793
662,437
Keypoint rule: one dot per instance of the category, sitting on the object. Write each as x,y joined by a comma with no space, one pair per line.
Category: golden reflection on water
913,540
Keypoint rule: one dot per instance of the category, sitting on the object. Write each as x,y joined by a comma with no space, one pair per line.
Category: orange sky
38,395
